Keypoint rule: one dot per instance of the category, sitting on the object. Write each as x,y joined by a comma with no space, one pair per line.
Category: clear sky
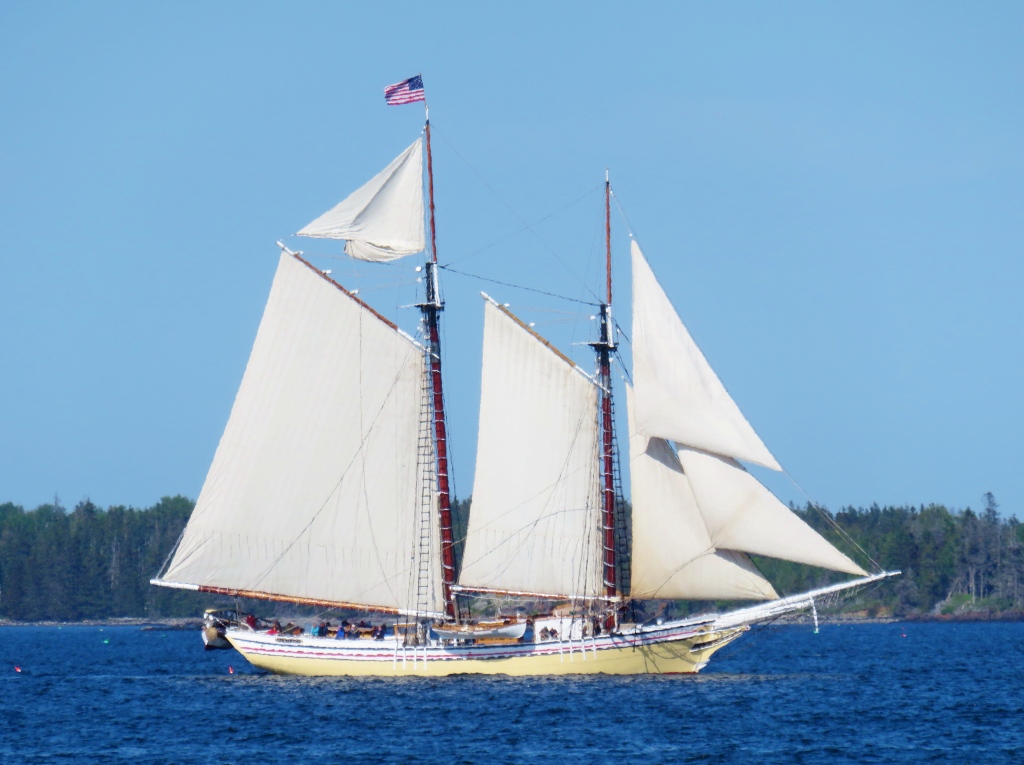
831,193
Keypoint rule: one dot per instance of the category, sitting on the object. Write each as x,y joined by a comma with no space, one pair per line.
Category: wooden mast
604,349
431,309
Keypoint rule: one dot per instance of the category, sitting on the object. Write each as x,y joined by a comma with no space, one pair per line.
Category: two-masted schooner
330,485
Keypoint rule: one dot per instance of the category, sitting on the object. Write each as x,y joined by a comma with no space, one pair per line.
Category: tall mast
604,349
431,309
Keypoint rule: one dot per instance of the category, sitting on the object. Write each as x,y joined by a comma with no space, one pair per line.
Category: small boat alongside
507,630
215,625
217,621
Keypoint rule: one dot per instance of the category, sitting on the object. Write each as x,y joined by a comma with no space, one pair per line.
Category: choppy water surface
867,693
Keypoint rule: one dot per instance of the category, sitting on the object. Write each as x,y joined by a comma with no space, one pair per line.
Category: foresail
534,525
678,395
741,514
315,490
382,220
673,555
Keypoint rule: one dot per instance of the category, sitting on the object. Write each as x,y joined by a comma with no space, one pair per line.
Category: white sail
673,555
382,220
741,514
678,395
534,526
314,492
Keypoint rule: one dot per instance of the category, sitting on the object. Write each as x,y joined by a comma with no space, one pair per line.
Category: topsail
383,219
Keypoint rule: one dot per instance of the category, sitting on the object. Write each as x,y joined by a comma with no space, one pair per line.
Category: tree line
91,563
951,561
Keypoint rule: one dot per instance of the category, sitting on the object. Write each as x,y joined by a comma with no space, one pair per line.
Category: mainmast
604,349
431,309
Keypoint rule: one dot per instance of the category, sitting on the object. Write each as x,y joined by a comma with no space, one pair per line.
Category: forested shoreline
90,563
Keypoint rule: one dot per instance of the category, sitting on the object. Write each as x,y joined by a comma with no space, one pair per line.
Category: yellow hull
616,656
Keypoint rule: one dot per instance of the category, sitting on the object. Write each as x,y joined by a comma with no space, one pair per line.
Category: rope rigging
527,226
451,270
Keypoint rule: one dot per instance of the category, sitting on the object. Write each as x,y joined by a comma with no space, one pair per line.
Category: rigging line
517,286
621,331
625,217
520,217
574,314
167,560
526,227
622,365
832,521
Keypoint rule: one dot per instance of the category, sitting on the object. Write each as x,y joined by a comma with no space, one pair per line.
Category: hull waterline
663,651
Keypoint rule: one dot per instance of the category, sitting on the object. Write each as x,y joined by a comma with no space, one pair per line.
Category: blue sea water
892,693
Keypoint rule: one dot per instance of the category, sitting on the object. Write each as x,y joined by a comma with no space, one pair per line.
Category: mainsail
673,555
534,526
315,490
383,219
678,395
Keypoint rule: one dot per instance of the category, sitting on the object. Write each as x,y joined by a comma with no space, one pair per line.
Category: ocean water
893,693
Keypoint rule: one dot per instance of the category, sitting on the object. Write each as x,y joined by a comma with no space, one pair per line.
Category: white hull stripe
350,651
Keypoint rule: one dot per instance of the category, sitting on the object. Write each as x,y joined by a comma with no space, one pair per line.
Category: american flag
405,92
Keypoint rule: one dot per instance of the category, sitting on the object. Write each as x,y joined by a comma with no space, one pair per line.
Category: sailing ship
330,485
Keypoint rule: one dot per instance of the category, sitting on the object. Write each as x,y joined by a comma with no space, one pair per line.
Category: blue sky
830,193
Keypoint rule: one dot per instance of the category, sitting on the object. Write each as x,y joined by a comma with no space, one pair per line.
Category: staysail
315,490
382,220
534,525
741,514
673,555
678,395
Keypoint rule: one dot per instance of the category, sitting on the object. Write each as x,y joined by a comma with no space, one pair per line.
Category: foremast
431,308
604,348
